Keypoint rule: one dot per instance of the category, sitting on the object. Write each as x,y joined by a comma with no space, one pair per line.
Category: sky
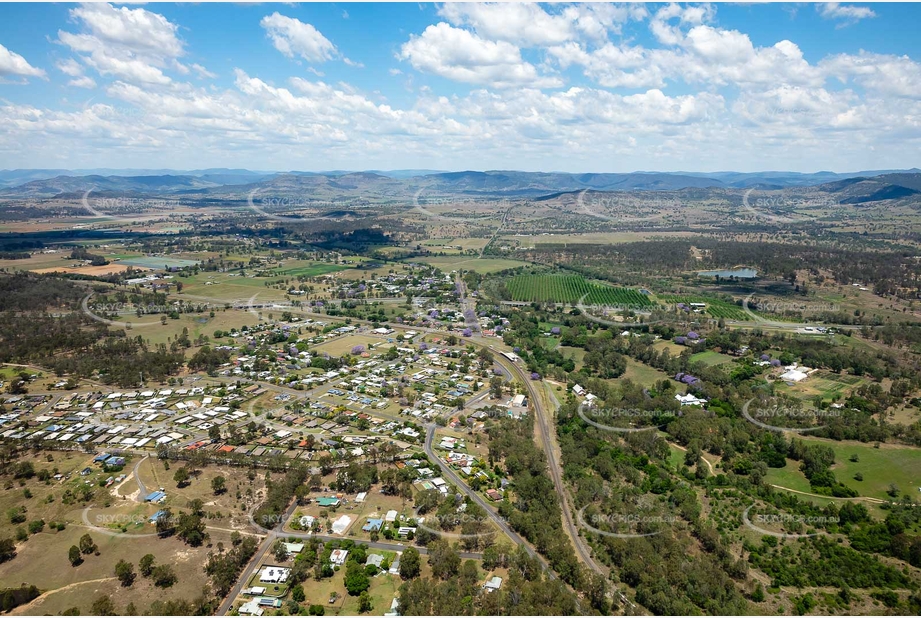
559,87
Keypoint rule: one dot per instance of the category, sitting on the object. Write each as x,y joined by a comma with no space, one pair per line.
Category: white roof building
274,575
793,375
251,608
306,521
690,400
341,524
338,556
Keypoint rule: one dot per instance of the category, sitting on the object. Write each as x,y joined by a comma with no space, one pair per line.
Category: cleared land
880,467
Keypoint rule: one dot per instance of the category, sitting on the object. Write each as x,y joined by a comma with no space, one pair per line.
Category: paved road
547,434
256,560
278,532
137,477
459,483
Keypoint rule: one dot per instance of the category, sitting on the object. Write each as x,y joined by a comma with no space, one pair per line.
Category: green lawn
642,373
576,354
310,270
880,467
676,456
711,358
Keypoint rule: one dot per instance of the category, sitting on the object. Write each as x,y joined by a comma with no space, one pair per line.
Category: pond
738,273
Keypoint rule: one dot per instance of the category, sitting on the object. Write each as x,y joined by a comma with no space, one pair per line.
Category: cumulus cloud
293,37
844,14
130,44
461,55
70,67
705,55
897,76
515,95
84,81
530,25
12,64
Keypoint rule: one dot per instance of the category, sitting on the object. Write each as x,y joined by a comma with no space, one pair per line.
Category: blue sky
574,87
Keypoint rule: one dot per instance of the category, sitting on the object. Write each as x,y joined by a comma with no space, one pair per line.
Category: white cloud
705,55
12,64
131,44
293,37
202,71
83,82
463,56
70,67
669,34
845,14
137,29
530,25
736,98
897,76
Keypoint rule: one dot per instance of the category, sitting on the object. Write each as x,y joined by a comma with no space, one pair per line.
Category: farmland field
484,266
571,289
309,270
716,308
158,262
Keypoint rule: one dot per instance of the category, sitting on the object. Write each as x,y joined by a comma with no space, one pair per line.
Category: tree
444,559
163,576
7,550
124,571
356,579
191,529
364,602
87,545
495,387
281,552
410,563
103,606
297,593
219,485
146,564
76,558
181,477
165,525
17,514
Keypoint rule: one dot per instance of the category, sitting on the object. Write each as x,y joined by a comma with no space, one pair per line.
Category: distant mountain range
238,184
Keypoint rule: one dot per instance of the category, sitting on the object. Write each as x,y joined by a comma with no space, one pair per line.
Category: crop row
571,289
716,308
